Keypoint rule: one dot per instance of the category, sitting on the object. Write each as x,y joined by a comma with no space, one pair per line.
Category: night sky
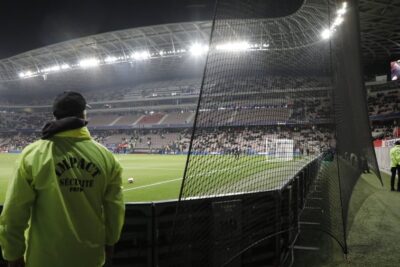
26,25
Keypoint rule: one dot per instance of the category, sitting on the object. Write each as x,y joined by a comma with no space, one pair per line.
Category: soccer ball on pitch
130,180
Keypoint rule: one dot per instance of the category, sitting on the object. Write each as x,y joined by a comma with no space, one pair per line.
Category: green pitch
156,177
159,177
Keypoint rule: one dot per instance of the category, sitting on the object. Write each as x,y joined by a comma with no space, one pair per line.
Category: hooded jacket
69,189
395,156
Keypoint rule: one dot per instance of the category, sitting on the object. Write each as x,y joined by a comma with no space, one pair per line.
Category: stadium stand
103,120
151,118
382,101
308,139
178,118
384,109
128,119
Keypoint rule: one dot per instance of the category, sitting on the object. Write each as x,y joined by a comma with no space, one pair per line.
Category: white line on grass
149,185
146,168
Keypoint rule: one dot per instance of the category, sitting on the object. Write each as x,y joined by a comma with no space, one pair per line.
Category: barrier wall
383,158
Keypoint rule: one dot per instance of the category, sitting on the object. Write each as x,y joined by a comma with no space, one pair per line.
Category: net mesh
269,76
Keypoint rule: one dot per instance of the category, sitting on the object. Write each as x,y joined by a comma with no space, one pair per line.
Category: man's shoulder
102,148
108,155
36,146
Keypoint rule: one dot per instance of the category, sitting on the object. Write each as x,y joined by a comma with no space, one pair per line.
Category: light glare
326,34
110,59
89,62
54,68
143,55
338,21
197,49
233,46
65,66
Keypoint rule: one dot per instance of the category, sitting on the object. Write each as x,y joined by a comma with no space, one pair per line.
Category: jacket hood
69,123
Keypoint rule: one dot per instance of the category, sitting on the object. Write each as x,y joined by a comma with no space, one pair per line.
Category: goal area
279,149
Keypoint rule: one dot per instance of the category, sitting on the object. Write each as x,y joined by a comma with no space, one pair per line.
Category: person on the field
68,187
236,152
395,165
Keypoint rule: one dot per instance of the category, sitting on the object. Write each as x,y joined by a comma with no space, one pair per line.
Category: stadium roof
380,29
169,42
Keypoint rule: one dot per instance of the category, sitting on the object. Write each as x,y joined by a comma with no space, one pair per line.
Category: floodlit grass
156,177
7,163
159,177
374,234
222,174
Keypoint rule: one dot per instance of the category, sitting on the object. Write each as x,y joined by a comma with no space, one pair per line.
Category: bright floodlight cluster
196,49
327,33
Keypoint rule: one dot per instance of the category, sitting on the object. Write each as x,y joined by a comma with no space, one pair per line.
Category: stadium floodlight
54,68
89,62
326,34
110,59
65,66
197,49
233,46
143,55
341,11
26,74
337,21
161,53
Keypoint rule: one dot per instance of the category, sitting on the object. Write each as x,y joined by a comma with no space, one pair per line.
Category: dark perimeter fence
270,64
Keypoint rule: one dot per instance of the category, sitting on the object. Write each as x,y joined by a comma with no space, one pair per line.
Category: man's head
397,142
69,104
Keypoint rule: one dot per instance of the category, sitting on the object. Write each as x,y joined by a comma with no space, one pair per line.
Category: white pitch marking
149,185
146,168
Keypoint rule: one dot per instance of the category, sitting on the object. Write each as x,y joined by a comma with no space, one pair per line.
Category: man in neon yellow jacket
68,188
395,165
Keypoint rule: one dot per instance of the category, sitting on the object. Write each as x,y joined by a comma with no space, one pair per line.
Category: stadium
255,138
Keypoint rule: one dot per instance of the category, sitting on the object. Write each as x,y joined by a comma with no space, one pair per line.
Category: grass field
157,177
374,234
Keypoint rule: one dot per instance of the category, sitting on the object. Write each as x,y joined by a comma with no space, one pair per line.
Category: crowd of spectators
23,120
218,140
311,109
227,111
253,140
383,103
16,141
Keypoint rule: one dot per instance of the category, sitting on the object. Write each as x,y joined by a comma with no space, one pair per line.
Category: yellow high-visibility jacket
395,156
69,190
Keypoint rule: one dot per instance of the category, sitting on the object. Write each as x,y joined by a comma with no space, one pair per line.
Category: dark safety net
281,132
